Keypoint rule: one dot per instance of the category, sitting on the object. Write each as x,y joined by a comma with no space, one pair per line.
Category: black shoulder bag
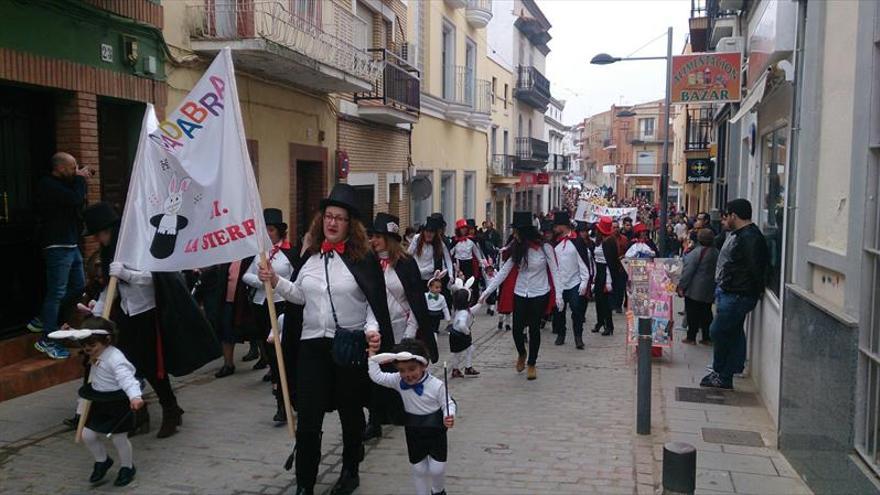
349,345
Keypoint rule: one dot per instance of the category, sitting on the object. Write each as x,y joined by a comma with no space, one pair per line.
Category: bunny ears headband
462,285
438,275
80,334
387,357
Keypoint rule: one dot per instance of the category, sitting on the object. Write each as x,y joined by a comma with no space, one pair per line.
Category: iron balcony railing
532,87
698,130
465,85
502,165
531,152
329,39
398,86
483,96
559,163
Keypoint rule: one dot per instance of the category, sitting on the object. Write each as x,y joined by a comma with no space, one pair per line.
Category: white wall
500,34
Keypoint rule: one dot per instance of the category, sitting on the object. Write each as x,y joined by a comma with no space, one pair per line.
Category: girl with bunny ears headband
460,338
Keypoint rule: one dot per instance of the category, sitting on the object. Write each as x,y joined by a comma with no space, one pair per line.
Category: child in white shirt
429,412
438,309
460,338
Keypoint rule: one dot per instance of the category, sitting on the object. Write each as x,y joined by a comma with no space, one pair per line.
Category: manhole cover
715,396
733,437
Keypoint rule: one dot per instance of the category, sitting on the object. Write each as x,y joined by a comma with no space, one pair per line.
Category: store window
447,199
470,194
774,150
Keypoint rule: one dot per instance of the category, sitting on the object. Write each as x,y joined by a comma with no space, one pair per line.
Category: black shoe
597,328
608,331
225,370
253,353
125,476
71,423
347,483
100,470
301,490
560,339
260,364
507,328
171,419
490,312
618,311
372,431
280,416
439,493
579,343
500,325
268,376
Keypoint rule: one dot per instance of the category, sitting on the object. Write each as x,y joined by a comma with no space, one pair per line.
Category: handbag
349,345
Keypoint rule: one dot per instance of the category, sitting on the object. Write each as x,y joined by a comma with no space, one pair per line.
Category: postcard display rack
651,288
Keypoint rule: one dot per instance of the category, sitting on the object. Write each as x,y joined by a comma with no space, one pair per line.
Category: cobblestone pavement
569,432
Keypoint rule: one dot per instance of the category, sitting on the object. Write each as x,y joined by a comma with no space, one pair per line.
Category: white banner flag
193,199
589,212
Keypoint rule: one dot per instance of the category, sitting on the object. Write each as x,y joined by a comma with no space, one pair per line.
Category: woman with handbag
408,310
533,264
342,290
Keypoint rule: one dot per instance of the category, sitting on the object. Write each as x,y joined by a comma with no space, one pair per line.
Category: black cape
411,278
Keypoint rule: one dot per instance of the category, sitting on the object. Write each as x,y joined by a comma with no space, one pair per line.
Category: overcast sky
583,28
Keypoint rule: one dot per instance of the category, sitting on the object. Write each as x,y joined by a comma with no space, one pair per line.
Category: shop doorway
365,199
27,142
119,125
309,191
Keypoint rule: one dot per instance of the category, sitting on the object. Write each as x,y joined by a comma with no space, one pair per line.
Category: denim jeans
727,332
65,280
578,306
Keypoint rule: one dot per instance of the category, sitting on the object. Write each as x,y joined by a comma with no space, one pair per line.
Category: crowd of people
360,305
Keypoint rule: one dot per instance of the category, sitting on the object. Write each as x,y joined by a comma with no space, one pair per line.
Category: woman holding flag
342,290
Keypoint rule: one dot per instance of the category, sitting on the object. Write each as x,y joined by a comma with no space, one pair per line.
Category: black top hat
546,225
471,222
582,226
272,216
98,217
386,224
562,218
343,196
433,223
522,219
439,218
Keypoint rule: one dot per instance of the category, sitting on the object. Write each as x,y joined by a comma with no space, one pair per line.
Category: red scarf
284,244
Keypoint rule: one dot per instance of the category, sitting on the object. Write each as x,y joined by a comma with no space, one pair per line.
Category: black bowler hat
546,225
98,217
272,216
343,196
433,223
439,218
582,226
471,222
386,224
522,220
562,218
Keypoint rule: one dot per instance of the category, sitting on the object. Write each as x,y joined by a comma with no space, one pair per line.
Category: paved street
571,431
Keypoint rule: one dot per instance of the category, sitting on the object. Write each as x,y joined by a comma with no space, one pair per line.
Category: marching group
360,304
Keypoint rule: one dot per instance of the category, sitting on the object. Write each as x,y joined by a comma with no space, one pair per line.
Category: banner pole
279,355
87,404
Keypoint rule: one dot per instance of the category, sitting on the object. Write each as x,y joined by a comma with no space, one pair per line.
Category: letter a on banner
193,199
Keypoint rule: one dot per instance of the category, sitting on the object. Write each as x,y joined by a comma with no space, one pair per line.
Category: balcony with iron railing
502,166
471,98
698,130
479,13
267,39
531,153
395,98
559,163
532,88
710,21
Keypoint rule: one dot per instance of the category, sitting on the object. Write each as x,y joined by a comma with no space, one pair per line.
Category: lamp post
605,59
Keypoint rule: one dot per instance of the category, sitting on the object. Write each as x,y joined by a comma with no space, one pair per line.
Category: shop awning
755,96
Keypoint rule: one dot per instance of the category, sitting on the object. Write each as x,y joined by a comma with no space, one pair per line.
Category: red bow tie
327,246
384,262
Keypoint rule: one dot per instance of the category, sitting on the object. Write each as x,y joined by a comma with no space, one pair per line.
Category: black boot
100,470
373,430
253,352
301,490
348,481
578,342
597,328
560,338
280,414
171,419
608,331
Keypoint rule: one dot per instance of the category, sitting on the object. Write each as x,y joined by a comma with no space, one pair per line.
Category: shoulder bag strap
327,278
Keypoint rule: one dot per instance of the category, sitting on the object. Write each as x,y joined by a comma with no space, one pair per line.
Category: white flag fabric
193,199
589,212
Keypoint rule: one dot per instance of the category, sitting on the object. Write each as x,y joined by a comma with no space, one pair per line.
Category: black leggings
527,312
603,310
699,318
162,387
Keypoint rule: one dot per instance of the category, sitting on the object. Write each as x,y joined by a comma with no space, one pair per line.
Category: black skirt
110,412
459,341
426,436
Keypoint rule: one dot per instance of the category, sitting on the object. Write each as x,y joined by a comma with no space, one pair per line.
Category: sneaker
51,349
35,325
714,380
471,372
456,373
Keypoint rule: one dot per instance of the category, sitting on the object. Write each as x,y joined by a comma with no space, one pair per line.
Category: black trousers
603,309
527,312
264,328
699,318
321,385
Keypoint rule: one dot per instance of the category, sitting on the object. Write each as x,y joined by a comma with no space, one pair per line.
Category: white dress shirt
426,260
438,304
112,372
432,399
532,280
403,322
464,319
136,293
310,289
467,250
573,272
280,264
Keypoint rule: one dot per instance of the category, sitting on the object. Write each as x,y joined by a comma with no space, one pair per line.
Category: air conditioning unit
730,44
730,5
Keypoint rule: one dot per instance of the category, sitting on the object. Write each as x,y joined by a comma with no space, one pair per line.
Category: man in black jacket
740,277
60,199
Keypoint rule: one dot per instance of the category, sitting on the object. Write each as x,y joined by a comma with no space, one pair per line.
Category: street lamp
605,59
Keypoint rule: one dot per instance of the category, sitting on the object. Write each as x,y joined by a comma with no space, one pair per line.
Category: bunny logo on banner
169,222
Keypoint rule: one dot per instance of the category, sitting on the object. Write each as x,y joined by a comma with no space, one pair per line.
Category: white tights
466,355
429,476
120,441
